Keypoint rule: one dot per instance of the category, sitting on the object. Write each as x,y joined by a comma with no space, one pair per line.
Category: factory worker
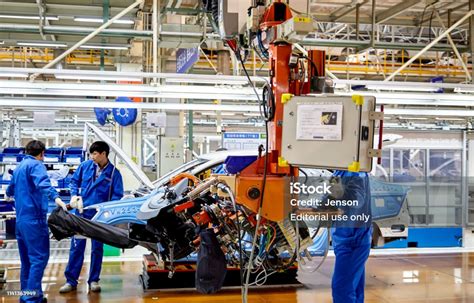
95,181
352,240
32,190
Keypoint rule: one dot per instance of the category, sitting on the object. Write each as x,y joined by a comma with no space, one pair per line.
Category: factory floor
407,278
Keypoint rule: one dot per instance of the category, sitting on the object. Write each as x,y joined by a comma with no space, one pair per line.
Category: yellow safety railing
28,54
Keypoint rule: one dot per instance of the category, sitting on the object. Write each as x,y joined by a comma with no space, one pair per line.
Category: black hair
35,148
100,147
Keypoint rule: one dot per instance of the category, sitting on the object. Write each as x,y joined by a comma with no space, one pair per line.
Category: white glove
8,199
76,202
60,203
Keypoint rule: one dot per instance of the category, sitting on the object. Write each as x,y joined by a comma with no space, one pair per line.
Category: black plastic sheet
64,225
211,264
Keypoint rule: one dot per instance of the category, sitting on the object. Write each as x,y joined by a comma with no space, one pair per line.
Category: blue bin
74,155
53,154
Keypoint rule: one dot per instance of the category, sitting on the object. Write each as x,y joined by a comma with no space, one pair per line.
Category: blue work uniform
93,189
32,190
352,241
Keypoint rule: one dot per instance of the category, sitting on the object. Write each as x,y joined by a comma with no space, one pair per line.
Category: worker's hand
8,199
76,202
60,203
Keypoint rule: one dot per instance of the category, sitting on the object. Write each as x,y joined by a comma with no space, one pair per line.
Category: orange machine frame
276,201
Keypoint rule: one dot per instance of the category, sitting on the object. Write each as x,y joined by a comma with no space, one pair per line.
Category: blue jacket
31,187
108,187
354,233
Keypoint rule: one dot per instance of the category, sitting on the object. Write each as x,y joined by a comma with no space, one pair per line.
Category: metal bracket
376,115
375,153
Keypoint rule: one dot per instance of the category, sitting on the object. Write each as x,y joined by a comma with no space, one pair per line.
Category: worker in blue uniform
352,240
32,190
95,181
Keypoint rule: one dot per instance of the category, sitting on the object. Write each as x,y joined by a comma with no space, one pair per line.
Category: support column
105,18
372,35
357,21
155,27
468,175
223,62
471,34
190,130
223,67
129,138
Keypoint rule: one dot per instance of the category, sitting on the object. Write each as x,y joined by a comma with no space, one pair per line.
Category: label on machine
319,122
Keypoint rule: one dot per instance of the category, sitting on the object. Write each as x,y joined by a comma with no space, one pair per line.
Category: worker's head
99,151
36,149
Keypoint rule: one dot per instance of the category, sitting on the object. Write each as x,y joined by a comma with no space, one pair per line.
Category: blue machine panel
429,237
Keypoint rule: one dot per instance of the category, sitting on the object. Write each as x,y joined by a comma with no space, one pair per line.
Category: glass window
434,178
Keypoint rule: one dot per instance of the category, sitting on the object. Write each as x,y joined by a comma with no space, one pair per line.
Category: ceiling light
463,90
13,75
429,112
88,103
206,81
28,17
99,20
449,118
104,47
98,78
412,118
215,114
2,42
41,44
402,88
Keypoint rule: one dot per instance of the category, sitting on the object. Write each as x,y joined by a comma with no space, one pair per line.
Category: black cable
262,48
421,21
305,175
313,65
317,231
266,125
267,105
303,73
264,180
239,228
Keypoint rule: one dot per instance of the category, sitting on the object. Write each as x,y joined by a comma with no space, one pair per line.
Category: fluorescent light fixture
99,20
252,114
13,75
429,112
2,42
206,81
449,118
215,114
104,47
412,118
463,90
41,44
98,78
28,17
407,88
89,103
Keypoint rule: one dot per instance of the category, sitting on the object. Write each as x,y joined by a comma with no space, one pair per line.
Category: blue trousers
76,259
348,281
33,243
